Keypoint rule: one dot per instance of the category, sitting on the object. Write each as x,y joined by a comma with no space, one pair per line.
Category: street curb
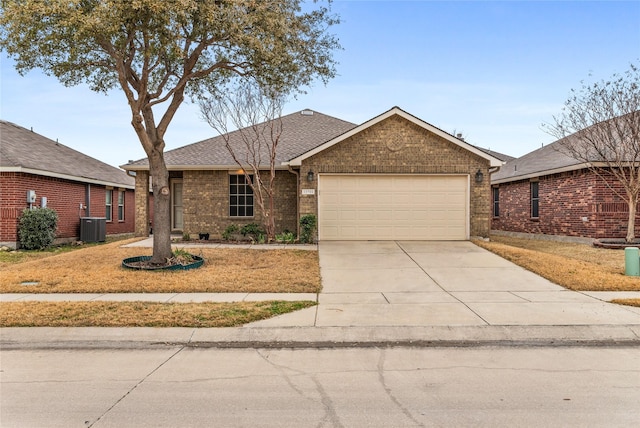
320,337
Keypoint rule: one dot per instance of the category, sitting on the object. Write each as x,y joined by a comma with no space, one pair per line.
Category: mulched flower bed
615,243
174,263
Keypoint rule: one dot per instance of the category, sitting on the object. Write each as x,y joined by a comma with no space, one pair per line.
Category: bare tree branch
600,127
256,116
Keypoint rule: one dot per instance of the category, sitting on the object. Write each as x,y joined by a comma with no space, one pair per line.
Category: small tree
37,228
156,52
600,127
256,114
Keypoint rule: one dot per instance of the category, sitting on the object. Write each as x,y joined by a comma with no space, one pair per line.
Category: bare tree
255,113
600,127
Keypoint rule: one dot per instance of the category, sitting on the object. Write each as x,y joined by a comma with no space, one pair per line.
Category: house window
240,196
535,200
120,205
496,201
109,204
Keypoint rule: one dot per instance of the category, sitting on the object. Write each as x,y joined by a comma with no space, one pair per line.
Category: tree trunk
271,225
161,208
631,224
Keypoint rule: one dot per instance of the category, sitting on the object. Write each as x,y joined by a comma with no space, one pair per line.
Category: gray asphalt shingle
300,133
539,161
22,148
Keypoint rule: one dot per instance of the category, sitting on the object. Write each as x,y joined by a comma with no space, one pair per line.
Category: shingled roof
22,150
545,160
301,132
503,157
554,158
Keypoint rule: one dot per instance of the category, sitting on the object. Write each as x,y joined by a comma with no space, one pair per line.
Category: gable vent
307,112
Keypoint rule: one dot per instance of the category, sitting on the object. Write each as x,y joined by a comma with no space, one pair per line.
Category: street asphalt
383,293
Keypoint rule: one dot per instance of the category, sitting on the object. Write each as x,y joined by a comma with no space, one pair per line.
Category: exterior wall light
479,176
310,175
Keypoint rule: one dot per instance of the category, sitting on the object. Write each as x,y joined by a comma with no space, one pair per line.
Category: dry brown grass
98,270
141,314
574,266
628,302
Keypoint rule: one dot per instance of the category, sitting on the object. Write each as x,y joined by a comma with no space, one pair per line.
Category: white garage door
393,207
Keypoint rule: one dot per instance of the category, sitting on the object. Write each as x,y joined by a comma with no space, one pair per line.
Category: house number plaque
308,191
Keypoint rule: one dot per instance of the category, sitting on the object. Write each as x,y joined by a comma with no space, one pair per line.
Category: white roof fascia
395,111
64,176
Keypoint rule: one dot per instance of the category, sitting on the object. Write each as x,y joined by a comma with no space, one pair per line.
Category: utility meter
31,196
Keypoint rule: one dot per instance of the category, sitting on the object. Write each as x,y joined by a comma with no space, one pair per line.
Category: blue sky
494,71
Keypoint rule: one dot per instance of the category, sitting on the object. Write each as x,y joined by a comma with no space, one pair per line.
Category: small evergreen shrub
231,230
37,228
308,224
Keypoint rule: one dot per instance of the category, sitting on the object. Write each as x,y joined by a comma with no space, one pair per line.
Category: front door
176,205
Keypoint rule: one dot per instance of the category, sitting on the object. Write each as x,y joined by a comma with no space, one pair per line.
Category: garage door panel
393,207
401,215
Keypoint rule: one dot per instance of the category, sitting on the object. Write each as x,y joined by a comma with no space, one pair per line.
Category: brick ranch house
547,193
392,177
67,181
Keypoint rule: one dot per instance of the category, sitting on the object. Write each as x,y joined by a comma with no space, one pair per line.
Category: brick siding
393,146
398,146
574,203
206,203
63,196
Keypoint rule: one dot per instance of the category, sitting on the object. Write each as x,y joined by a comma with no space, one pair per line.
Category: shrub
181,256
286,237
231,230
307,227
37,228
253,230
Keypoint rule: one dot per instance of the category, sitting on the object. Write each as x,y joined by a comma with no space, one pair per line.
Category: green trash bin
631,261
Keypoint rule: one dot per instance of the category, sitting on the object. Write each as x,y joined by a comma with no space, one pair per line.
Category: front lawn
97,269
577,267
628,302
141,314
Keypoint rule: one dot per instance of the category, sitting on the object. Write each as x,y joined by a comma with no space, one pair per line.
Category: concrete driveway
409,283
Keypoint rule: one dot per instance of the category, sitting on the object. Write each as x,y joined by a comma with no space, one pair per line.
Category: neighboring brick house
547,192
67,181
393,177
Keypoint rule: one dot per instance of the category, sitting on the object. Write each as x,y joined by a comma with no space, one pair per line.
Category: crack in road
283,372
91,424
331,415
330,412
389,392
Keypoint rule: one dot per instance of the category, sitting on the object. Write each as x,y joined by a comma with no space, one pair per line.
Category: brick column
142,203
